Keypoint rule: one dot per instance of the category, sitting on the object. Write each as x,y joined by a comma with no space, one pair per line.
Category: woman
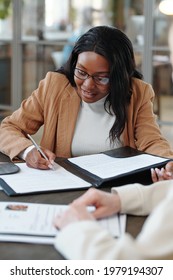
96,102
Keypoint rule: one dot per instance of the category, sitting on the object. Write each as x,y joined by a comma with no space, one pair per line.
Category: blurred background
36,36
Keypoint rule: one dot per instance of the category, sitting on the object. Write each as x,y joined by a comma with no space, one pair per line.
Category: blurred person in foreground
93,242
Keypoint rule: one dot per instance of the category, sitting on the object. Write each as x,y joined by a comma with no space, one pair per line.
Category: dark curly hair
116,47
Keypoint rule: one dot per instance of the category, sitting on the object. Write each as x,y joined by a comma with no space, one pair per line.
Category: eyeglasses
82,75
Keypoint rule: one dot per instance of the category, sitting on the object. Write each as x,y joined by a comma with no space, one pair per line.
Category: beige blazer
55,104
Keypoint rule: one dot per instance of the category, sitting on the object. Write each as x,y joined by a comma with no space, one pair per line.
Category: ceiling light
166,7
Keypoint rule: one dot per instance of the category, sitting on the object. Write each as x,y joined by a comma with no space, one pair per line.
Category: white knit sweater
92,129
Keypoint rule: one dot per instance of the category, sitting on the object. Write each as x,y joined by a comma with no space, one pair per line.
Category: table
24,251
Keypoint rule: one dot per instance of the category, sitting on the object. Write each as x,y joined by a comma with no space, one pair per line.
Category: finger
37,163
99,213
160,174
167,176
169,168
164,174
88,198
51,156
154,175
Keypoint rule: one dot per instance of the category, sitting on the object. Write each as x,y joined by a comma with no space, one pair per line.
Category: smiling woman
96,102
94,86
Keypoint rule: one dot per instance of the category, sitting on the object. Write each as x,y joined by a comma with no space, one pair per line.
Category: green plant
4,8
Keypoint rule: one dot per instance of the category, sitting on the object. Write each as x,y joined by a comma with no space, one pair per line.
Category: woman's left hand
163,173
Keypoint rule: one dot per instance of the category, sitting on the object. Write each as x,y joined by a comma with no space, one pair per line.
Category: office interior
36,36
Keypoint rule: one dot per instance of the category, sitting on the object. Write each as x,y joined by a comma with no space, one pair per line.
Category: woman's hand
163,173
105,203
73,214
35,160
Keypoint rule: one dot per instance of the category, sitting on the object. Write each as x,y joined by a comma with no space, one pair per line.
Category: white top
91,133
154,242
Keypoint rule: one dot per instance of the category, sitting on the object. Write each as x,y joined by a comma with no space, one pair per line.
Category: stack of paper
33,223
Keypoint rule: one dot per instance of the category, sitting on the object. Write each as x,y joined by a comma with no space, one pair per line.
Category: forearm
137,199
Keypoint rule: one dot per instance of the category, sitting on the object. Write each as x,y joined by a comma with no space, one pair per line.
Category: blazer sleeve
143,130
27,119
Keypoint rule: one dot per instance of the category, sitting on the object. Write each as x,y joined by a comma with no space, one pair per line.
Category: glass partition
48,32
6,19
162,48
37,61
5,73
37,36
5,52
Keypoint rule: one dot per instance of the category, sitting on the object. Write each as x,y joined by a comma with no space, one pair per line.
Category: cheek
78,82
106,89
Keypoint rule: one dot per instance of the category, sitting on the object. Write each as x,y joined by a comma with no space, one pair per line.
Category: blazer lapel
69,109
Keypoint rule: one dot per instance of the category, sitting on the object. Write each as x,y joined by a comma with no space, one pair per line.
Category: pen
37,147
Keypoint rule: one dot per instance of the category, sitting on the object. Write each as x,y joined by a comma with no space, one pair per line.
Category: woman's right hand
35,160
163,173
106,204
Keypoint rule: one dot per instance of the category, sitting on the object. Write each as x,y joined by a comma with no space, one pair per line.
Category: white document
33,223
105,166
35,180
29,180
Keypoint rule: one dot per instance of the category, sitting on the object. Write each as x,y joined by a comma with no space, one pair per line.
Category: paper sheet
31,222
36,180
106,166
29,180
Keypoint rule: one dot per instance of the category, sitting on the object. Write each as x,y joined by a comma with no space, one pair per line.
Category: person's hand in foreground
163,173
74,213
35,160
106,204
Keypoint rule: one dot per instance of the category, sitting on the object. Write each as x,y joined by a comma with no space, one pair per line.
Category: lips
87,94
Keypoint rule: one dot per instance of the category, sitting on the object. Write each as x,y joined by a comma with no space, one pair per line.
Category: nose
89,83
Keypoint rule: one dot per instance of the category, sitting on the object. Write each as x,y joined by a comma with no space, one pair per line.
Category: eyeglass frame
94,77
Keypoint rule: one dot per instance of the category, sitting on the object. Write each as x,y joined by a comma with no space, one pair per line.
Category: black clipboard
141,175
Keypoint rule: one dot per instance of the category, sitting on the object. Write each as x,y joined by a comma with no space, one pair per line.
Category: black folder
141,175
137,175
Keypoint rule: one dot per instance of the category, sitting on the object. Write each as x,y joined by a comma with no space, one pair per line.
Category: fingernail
50,166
